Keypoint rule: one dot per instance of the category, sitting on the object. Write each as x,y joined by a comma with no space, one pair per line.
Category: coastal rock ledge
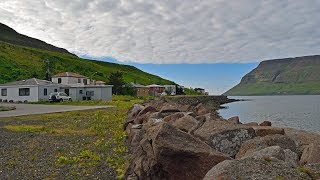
185,138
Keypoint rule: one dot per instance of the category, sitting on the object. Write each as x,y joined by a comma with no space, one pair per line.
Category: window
55,90
85,81
79,80
3,92
59,80
80,91
24,91
45,91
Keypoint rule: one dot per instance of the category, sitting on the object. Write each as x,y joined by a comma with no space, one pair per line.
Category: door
66,91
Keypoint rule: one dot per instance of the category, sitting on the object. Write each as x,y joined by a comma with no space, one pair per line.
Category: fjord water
300,112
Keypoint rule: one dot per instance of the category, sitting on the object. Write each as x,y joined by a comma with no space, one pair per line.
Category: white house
171,88
78,87
30,90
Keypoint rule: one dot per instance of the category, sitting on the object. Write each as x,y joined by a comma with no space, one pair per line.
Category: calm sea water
301,112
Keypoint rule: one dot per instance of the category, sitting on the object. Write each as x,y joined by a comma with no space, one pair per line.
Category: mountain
9,35
300,75
28,59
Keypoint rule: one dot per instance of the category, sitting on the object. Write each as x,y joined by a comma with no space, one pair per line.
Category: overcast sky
171,31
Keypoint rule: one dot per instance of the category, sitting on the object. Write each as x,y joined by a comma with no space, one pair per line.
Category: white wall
50,89
70,80
13,94
100,93
171,88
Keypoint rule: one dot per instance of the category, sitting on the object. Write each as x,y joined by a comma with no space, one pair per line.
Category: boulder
311,154
201,109
313,170
168,109
302,138
265,123
223,137
146,117
267,130
147,109
251,124
275,152
168,153
234,120
173,117
255,168
185,123
259,143
132,113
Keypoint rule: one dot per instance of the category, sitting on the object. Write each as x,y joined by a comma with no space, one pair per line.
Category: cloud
171,31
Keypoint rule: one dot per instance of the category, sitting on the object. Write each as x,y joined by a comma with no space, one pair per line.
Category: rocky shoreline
185,138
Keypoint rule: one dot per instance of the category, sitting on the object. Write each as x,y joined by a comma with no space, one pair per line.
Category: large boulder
234,120
265,123
259,143
185,123
201,109
224,137
132,114
264,164
267,130
310,154
168,153
173,117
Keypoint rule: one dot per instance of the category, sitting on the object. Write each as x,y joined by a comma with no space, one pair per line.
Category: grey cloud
171,31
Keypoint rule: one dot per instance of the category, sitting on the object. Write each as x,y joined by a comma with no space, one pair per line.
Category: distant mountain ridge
300,75
9,35
22,58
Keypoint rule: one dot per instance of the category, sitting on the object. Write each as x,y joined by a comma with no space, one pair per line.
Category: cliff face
299,75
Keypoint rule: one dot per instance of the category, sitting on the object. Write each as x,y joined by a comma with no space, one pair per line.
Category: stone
223,137
168,153
146,117
173,117
251,124
310,155
169,109
234,120
255,168
185,123
265,123
201,109
132,113
275,152
267,130
313,170
259,143
146,110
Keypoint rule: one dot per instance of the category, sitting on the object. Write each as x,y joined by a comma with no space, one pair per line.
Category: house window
3,92
24,91
59,80
45,91
80,91
85,81
79,80
55,90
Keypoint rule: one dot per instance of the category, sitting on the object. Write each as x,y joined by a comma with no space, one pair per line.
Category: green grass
18,62
191,92
104,125
263,88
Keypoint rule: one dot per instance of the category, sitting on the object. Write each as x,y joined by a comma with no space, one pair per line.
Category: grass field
78,144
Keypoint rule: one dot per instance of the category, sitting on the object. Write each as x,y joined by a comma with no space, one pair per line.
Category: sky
190,40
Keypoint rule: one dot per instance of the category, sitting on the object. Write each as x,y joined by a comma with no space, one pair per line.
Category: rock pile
174,140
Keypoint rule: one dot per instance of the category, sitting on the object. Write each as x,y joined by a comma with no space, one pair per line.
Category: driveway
29,109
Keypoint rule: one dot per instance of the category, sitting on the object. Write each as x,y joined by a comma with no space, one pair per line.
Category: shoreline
163,132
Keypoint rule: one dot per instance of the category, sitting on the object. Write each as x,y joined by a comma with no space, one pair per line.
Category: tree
116,79
128,89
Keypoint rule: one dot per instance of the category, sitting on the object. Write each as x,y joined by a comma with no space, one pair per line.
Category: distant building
200,90
78,87
170,89
156,90
141,90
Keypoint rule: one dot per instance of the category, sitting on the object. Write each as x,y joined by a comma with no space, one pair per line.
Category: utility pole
48,75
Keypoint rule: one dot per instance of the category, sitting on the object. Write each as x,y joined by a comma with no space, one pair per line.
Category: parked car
58,97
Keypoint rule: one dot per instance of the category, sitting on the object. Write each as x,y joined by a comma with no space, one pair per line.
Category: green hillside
18,62
9,35
299,75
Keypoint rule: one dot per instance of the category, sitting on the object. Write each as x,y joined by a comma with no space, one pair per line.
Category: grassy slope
19,62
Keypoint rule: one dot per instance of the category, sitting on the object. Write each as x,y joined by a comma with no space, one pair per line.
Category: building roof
154,85
29,82
69,74
137,85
